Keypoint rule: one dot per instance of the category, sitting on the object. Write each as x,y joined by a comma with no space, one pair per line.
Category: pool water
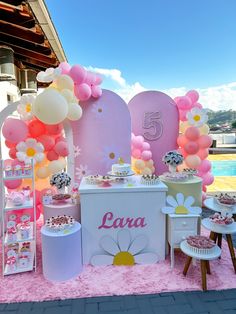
224,168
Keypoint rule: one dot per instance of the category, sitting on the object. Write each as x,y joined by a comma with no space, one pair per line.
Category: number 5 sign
155,116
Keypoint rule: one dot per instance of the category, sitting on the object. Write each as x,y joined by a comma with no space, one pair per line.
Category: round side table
216,234
67,208
212,204
204,260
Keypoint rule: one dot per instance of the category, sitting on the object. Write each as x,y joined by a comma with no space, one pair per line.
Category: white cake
121,169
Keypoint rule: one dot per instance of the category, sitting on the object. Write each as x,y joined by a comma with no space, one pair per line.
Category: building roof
27,28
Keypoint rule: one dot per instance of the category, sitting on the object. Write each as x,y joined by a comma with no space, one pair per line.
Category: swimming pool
224,168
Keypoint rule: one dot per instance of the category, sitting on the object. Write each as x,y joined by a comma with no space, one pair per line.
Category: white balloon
55,166
74,112
50,107
64,82
68,94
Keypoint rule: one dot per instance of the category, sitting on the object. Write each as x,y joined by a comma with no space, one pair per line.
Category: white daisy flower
181,205
30,149
124,251
110,155
197,117
25,107
77,151
48,75
82,171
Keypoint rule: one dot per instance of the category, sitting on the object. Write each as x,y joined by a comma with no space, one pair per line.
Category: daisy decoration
124,251
197,117
180,205
30,149
25,107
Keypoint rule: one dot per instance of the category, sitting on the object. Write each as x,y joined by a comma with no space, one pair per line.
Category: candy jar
18,170
8,171
11,231
25,227
11,260
27,170
26,191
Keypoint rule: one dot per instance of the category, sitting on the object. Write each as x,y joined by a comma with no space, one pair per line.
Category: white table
216,233
123,218
204,260
212,204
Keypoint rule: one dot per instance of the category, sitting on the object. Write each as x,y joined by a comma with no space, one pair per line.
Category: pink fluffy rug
110,280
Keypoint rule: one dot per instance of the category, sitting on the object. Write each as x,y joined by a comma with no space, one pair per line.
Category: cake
59,223
189,171
221,220
226,199
200,244
92,179
121,169
175,176
149,179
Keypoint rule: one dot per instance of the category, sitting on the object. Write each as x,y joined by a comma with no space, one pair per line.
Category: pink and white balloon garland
142,162
194,142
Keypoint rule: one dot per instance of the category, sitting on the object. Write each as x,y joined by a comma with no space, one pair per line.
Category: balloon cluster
194,142
142,162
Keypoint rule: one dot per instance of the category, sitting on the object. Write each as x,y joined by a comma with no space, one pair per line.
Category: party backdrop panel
102,135
154,115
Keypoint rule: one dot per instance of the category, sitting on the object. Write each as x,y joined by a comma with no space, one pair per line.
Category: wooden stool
216,235
204,260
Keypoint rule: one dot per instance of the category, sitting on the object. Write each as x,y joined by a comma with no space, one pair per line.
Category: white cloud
222,97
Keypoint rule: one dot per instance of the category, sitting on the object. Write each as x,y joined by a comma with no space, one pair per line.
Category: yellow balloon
139,164
64,82
183,126
204,130
149,163
68,94
55,166
146,171
74,112
41,184
42,172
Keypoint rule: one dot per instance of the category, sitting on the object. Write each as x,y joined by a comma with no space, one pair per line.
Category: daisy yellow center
28,107
123,258
181,210
30,152
112,155
196,118
100,110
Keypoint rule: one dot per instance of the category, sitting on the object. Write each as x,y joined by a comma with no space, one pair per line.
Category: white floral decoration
197,117
49,75
28,150
82,171
25,107
77,151
180,205
124,251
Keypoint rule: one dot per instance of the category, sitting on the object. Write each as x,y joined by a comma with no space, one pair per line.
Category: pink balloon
176,99
77,73
208,179
13,184
146,146
60,139
137,143
197,105
183,152
192,133
205,166
12,152
205,141
204,188
90,78
54,129
8,162
38,211
182,140
184,103
203,153
14,130
146,155
36,128
83,91
182,115
98,80
61,148
136,153
192,161
191,147
96,91
193,95
9,144
47,141
65,67
52,155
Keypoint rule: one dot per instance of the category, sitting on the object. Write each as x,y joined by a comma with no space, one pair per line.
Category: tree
234,124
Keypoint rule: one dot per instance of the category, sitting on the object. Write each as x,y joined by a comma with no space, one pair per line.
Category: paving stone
45,304
2,306
180,297
12,307
111,306
131,311
180,309
38,310
229,294
25,307
211,296
58,310
97,299
91,308
227,304
196,303
144,305
213,308
130,302
162,301
159,310
78,306
65,302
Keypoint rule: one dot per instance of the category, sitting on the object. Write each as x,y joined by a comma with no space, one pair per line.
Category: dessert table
123,218
212,204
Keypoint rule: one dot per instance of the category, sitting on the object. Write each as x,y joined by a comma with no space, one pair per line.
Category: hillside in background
221,118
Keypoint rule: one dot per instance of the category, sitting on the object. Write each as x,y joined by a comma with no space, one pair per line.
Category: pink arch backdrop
102,135
154,115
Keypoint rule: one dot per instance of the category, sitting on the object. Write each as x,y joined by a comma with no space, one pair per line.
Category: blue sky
170,45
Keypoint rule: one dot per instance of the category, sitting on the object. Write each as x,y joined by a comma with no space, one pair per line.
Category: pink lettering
109,222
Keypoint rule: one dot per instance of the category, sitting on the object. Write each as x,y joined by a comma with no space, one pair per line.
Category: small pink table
66,208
